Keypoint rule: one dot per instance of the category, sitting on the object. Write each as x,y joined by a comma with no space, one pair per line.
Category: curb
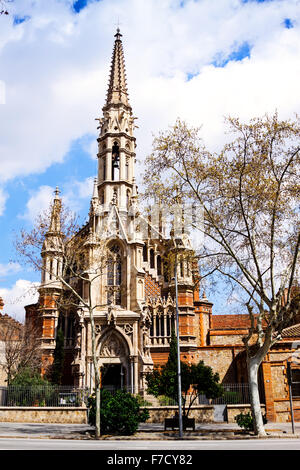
160,438
215,437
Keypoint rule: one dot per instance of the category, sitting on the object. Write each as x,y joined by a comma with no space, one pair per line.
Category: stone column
136,375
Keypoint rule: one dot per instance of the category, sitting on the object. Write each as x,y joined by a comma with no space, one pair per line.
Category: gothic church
134,297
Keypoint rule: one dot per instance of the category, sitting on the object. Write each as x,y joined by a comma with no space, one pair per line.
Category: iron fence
234,394
71,396
40,395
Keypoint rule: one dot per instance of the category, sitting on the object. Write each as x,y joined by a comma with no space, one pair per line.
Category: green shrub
166,401
120,412
245,421
142,402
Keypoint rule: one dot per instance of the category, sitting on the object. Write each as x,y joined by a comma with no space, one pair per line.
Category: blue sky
198,60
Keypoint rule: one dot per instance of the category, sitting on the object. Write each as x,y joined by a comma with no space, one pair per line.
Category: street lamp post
289,374
178,352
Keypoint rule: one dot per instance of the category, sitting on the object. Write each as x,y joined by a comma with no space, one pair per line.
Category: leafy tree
196,379
120,412
28,388
59,357
249,193
28,377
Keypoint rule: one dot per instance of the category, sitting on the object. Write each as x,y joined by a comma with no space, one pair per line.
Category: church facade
132,295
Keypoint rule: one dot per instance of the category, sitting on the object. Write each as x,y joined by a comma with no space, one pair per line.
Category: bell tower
116,142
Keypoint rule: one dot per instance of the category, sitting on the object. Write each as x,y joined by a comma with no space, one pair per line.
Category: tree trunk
253,365
96,377
97,424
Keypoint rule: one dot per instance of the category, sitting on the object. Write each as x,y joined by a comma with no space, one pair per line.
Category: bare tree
22,347
3,7
250,195
71,260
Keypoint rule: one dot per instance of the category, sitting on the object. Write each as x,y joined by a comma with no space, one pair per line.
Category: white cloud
22,293
76,193
56,65
3,198
39,201
9,268
73,194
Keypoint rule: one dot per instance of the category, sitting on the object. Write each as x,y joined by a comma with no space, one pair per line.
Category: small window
145,253
152,263
295,382
104,168
159,265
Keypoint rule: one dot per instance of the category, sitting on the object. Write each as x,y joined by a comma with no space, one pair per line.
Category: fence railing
40,395
71,396
233,394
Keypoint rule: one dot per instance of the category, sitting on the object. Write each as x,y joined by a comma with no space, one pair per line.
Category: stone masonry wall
201,413
43,415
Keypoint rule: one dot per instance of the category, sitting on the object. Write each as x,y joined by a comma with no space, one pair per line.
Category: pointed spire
117,87
55,214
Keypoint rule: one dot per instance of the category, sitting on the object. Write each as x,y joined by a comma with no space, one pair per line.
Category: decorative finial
56,192
118,35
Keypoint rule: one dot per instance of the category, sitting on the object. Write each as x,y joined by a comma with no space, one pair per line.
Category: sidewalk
146,431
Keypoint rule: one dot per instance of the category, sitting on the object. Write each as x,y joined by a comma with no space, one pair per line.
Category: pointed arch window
115,161
114,275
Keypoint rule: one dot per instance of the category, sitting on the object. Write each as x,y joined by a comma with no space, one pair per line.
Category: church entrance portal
113,377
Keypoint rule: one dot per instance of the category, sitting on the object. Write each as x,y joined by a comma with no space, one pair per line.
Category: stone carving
146,342
111,316
145,327
98,328
128,329
146,317
112,348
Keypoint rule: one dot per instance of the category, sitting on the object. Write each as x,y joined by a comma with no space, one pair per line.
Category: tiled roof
223,322
291,331
152,288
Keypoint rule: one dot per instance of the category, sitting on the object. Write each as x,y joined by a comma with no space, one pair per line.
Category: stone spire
117,89
55,225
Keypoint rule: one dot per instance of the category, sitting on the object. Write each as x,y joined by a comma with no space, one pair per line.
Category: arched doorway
113,377
114,356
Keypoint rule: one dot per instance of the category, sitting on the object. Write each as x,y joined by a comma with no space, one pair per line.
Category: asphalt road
65,444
